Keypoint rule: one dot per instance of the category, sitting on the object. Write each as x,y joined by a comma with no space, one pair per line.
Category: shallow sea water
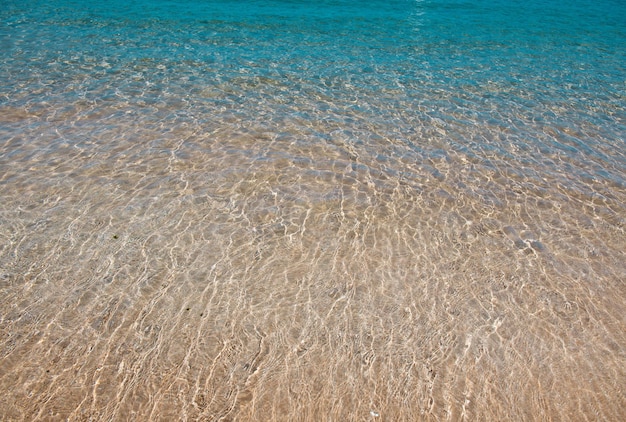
278,210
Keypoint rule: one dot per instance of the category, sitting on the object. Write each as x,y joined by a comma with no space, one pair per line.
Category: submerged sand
227,276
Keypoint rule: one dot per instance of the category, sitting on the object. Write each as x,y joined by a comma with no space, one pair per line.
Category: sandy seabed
227,276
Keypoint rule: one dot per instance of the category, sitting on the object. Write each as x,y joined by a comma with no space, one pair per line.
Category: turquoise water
492,75
312,210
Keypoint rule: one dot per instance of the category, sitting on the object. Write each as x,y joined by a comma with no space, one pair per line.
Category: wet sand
232,275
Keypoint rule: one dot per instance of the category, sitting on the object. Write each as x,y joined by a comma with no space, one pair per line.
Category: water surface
330,210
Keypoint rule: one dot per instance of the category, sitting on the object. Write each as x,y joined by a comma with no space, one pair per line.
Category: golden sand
264,280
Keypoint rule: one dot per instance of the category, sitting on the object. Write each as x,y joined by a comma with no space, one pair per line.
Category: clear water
329,210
